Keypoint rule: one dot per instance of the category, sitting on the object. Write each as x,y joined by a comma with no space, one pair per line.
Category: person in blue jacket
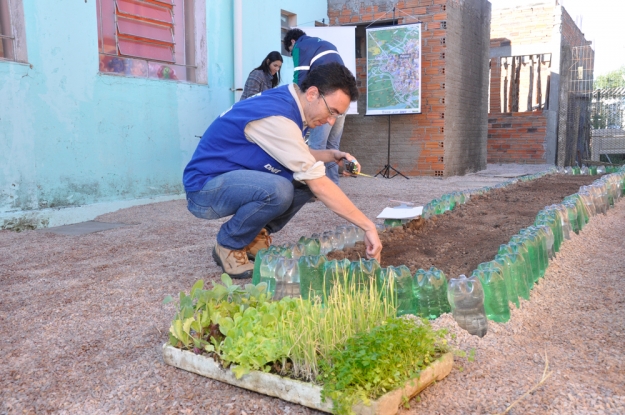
253,163
309,52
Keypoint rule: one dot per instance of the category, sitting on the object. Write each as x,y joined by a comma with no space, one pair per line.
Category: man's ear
312,93
292,42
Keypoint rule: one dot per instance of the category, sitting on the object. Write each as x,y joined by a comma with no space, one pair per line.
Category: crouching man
253,163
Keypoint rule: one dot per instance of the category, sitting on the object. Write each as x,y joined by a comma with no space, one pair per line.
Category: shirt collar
293,89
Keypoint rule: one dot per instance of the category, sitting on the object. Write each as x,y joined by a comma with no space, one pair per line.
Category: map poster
394,70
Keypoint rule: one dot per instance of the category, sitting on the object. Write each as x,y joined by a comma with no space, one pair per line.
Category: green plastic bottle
257,260
538,240
430,292
532,257
311,276
521,249
311,245
398,281
505,265
495,294
334,272
361,272
391,223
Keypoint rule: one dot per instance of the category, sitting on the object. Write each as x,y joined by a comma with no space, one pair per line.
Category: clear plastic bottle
325,244
268,271
466,298
571,211
287,278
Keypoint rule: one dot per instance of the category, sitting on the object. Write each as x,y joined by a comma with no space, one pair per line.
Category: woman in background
266,76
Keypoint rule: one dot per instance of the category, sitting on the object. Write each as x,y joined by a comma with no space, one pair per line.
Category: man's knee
282,194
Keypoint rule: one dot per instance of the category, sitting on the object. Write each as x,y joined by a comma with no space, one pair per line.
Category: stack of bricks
420,144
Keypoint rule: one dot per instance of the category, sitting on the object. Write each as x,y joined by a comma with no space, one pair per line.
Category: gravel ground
82,323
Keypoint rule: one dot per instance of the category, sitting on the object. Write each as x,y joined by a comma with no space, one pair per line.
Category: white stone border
302,393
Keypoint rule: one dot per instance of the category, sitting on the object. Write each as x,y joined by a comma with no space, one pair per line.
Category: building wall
571,34
533,29
419,142
466,86
517,137
522,25
521,30
75,143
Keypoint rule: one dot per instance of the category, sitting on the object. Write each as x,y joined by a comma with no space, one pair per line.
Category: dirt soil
82,321
457,241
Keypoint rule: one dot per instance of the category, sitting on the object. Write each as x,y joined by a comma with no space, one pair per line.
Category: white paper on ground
401,212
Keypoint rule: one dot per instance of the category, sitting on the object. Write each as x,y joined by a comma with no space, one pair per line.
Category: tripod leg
399,173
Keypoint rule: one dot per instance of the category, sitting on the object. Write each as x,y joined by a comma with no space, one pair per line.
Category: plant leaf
225,278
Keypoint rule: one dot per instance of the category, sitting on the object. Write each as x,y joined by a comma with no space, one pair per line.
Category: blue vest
305,50
224,147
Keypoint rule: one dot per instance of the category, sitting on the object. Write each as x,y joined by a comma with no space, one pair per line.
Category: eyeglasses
332,114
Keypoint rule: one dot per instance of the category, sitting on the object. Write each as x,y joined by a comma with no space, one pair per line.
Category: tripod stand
386,170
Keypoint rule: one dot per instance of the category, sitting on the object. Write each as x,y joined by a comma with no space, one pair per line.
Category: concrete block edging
302,393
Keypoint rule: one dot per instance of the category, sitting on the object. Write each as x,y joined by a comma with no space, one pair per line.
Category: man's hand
373,244
341,162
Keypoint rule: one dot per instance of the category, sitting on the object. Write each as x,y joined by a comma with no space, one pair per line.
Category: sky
602,22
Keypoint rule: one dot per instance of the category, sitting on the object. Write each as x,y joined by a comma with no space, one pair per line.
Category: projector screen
394,70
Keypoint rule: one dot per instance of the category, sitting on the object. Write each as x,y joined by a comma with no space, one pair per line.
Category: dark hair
292,34
272,57
330,77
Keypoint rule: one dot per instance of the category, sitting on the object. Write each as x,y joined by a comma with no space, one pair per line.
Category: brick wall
418,142
517,137
522,25
571,35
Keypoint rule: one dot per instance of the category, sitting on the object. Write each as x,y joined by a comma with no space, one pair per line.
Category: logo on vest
272,169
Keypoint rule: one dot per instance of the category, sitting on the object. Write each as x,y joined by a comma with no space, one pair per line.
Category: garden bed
303,393
224,321
457,241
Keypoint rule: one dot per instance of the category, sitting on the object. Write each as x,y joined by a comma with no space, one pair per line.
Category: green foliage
613,79
373,363
252,340
315,329
238,324
196,324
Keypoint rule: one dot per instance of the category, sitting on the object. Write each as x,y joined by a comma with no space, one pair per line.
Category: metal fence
574,115
608,123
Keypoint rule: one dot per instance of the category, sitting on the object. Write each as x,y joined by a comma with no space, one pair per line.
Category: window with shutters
150,38
12,32
287,21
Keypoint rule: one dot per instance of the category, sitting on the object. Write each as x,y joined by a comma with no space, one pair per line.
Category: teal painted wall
261,33
70,136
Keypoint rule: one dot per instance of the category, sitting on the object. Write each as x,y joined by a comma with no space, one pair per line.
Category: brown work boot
262,241
233,262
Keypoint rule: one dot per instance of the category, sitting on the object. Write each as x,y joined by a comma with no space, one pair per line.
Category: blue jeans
256,200
328,137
